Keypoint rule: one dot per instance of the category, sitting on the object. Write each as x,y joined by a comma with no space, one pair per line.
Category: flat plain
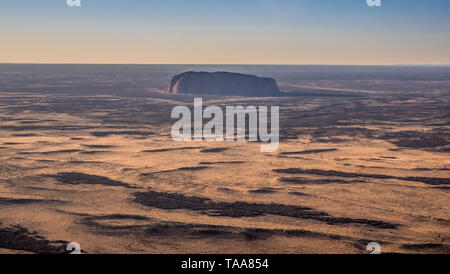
86,156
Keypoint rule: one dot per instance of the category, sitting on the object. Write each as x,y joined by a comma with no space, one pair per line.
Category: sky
335,32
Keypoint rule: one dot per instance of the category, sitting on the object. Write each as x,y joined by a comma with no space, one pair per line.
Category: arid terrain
86,156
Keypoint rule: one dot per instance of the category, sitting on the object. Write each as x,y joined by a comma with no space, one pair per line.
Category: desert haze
87,156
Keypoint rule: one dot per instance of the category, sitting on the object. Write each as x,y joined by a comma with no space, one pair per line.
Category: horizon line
214,64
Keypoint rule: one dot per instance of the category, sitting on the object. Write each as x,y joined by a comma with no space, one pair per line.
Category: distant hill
223,83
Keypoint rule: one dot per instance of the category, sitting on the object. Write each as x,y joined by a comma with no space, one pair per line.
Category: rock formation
223,83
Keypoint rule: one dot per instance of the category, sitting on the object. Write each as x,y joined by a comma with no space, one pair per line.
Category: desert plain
86,156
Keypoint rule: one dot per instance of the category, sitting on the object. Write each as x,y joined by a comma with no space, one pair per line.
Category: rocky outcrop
223,83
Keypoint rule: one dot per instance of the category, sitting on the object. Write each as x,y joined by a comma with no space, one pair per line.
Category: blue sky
226,31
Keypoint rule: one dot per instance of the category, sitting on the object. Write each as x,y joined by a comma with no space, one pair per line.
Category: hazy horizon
231,64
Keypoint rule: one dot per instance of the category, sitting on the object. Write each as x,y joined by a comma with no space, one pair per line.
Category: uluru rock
223,83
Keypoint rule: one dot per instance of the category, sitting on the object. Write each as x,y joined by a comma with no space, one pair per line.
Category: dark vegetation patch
429,169
154,227
59,151
326,131
214,150
94,221
332,140
408,139
127,132
417,139
21,201
19,238
170,201
371,159
211,232
308,151
421,246
76,178
169,149
89,152
26,153
99,146
426,180
266,190
24,135
226,189
85,162
444,149
31,122
249,234
252,234
372,167
305,181
298,193
188,168
442,187
129,169
222,162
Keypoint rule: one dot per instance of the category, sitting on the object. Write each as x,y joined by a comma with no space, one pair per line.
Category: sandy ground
104,172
